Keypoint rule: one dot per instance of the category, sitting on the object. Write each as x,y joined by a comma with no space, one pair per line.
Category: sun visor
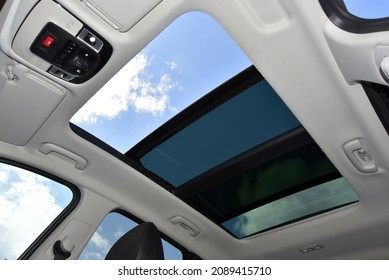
26,100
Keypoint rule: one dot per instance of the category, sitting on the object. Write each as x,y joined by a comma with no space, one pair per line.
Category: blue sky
190,58
369,9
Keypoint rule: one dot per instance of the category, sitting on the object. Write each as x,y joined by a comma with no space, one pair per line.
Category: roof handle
192,229
385,68
48,148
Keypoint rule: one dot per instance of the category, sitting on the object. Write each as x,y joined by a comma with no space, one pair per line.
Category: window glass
251,118
192,56
28,204
300,168
299,205
371,9
113,227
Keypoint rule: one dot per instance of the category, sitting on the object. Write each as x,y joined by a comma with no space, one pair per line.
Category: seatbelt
62,249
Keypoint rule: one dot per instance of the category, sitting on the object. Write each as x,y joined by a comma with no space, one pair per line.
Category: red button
48,41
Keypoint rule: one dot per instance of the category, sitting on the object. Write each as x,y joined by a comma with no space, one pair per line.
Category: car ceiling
313,65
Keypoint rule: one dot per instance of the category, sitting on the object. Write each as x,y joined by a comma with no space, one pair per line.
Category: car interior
285,159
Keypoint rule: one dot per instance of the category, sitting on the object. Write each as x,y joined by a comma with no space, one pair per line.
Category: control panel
72,58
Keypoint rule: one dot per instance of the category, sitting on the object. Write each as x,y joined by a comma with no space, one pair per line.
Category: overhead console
56,42
71,58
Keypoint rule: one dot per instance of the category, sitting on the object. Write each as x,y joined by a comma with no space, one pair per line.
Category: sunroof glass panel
329,195
254,116
298,169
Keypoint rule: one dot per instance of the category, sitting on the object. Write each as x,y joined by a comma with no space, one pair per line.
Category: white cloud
119,233
3,177
134,87
100,242
92,256
27,207
172,65
97,247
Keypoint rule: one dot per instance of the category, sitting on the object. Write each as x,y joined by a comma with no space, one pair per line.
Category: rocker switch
48,41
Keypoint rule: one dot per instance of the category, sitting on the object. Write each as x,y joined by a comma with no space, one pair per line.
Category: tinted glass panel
298,169
320,198
253,117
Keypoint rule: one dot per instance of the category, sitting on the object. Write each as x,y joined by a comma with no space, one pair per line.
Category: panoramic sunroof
239,156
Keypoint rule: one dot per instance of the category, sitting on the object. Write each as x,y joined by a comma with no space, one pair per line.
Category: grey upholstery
141,243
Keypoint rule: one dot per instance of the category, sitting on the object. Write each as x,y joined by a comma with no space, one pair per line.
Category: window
29,203
230,130
113,227
192,56
294,207
372,9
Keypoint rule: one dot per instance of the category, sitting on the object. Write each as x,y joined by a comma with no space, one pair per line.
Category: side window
372,9
113,227
28,204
